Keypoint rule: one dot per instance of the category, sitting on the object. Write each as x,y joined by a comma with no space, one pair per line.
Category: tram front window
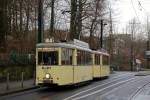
48,58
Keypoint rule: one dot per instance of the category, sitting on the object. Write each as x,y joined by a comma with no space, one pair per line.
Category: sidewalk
16,87
143,73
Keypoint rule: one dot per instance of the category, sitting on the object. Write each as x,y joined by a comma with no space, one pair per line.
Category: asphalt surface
119,86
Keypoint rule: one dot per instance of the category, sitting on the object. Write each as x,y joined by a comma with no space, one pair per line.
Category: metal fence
16,58
20,83
15,72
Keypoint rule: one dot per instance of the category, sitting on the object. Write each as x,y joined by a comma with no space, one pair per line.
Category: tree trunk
79,31
21,17
27,17
3,21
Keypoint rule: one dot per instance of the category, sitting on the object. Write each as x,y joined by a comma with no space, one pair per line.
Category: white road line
116,78
136,93
114,90
101,89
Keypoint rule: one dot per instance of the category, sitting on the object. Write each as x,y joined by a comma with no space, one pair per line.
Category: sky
125,10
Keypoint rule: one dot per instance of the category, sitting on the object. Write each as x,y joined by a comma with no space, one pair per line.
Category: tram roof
100,52
70,46
62,45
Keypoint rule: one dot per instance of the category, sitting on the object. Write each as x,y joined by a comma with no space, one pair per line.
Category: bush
15,73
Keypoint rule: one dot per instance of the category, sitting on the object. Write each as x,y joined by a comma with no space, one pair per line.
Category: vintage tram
69,63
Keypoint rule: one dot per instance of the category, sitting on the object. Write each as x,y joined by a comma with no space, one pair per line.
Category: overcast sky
126,10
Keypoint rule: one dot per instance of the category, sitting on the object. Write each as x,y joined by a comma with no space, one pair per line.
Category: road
119,86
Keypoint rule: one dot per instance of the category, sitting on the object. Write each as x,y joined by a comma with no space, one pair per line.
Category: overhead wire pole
73,22
111,37
131,59
132,45
148,43
101,38
132,36
148,33
40,21
52,18
80,10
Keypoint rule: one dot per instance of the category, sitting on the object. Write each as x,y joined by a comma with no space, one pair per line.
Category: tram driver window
48,58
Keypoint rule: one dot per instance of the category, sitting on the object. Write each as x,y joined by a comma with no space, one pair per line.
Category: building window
66,56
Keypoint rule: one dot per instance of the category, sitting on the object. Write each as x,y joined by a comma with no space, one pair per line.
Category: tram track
103,89
100,86
80,89
137,92
111,94
51,93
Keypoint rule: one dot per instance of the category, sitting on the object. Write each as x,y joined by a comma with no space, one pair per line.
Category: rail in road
77,93
127,91
137,92
100,87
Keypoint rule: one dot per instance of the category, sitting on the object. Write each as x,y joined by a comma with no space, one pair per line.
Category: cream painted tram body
67,64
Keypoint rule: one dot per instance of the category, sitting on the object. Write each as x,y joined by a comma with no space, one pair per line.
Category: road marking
102,89
120,87
113,90
116,78
136,93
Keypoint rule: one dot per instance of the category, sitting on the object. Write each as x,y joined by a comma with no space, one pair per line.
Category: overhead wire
140,4
147,18
135,11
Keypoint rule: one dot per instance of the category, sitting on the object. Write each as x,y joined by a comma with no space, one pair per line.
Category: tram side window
48,58
105,60
97,59
79,57
84,58
88,58
66,56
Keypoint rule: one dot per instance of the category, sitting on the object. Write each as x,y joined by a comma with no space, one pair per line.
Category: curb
142,74
17,91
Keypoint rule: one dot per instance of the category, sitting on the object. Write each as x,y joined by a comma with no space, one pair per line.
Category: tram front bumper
47,81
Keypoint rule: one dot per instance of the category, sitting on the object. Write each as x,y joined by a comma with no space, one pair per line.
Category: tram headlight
47,76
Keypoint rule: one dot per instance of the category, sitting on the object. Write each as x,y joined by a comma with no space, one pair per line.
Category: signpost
147,54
